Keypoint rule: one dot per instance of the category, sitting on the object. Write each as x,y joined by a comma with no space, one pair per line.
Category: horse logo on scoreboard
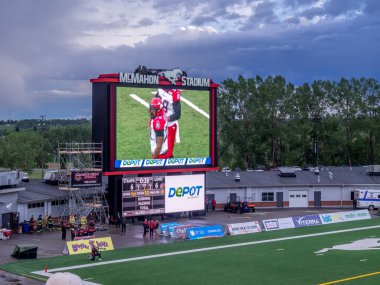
172,75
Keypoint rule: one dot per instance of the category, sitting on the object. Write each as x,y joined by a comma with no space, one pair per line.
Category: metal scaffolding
80,180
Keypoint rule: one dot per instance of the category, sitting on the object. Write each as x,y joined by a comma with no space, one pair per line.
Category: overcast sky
51,48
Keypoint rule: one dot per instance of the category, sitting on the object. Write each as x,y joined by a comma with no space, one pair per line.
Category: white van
369,199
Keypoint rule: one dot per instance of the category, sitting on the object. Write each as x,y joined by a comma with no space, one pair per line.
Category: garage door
298,199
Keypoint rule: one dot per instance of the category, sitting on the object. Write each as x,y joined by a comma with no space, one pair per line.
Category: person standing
158,129
72,220
83,221
146,227
72,231
213,205
63,229
50,224
39,224
45,221
156,226
171,100
31,224
152,226
123,222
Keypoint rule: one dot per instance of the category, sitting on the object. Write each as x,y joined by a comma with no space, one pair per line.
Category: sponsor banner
286,223
163,227
307,221
154,162
88,178
169,230
175,161
204,232
180,231
345,216
270,225
196,160
278,224
243,228
129,163
184,193
85,245
162,162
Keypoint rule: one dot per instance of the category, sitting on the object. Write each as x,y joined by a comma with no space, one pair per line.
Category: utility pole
42,127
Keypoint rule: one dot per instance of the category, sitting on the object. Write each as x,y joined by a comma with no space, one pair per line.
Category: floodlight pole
42,125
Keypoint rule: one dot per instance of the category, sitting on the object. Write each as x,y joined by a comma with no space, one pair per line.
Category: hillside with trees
22,142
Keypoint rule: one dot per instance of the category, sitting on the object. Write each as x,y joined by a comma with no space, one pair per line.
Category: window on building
36,205
58,202
267,196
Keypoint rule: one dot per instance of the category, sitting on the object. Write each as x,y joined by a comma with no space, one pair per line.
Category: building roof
328,176
36,190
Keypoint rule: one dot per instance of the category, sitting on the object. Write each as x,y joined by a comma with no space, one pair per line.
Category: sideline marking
41,272
34,277
351,278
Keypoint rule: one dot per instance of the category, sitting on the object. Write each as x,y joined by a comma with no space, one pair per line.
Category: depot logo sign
186,191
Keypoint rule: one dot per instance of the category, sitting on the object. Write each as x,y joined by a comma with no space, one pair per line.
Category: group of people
40,223
164,111
150,226
213,204
121,221
79,226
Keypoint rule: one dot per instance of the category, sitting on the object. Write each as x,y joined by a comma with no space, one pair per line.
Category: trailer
367,199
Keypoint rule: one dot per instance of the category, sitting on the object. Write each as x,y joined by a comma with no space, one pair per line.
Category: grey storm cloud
46,70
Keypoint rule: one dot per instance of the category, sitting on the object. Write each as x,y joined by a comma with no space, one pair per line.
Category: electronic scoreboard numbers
143,196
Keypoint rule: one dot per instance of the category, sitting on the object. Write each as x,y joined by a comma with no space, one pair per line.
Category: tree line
28,144
271,122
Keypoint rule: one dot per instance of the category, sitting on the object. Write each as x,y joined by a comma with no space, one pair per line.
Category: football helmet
155,107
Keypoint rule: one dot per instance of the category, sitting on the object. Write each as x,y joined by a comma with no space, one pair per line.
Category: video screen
174,132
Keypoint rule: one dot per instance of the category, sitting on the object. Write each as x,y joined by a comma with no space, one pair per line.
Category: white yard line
196,108
194,250
138,99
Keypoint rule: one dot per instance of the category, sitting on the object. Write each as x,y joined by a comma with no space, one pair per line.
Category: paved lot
50,243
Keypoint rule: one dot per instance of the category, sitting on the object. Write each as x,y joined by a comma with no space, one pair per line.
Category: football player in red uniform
158,129
171,99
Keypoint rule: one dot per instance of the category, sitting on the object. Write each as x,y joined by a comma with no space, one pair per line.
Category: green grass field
268,261
132,125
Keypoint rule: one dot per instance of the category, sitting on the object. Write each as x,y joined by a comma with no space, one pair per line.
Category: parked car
226,169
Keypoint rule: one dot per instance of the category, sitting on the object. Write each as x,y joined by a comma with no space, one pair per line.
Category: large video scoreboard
121,121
